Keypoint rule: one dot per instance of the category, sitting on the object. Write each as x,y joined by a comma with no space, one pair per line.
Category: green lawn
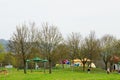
60,74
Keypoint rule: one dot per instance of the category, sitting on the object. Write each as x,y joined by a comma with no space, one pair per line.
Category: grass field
60,74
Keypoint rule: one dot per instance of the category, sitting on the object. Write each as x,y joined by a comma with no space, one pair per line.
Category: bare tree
22,41
73,42
107,45
116,47
62,53
92,46
83,55
48,39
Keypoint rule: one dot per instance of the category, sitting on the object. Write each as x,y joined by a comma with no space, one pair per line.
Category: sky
83,16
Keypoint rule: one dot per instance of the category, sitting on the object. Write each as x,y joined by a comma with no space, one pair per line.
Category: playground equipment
36,60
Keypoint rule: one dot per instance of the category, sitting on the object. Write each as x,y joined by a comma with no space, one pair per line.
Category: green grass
60,74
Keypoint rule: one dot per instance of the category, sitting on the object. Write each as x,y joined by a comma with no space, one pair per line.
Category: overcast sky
102,16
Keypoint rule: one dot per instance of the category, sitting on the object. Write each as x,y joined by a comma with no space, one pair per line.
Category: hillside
4,43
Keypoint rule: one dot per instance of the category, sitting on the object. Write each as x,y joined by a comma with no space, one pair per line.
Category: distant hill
4,43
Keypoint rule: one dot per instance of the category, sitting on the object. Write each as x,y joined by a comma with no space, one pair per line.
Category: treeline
47,42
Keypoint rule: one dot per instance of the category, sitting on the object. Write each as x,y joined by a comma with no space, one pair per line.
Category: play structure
36,60
65,61
78,62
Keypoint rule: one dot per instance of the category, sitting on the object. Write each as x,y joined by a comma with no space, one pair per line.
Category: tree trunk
83,66
24,61
50,66
111,67
44,66
62,64
31,69
106,66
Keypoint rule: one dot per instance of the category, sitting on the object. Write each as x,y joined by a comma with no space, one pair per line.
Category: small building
116,61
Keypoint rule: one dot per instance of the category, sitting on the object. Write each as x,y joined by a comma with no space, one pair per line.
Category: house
116,62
